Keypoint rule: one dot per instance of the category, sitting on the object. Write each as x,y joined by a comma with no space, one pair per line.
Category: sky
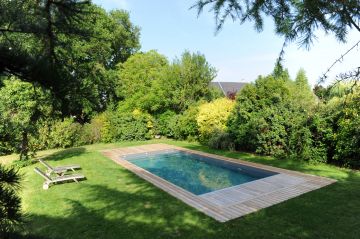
238,52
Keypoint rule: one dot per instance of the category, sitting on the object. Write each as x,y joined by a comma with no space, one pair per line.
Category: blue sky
238,52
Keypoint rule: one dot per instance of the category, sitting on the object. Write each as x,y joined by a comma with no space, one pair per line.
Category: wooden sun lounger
58,170
48,180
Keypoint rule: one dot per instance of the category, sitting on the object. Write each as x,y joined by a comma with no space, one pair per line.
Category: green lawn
114,203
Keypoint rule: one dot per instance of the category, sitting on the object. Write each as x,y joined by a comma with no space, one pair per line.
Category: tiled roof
229,87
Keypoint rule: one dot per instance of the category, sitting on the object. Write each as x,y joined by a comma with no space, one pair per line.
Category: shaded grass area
114,203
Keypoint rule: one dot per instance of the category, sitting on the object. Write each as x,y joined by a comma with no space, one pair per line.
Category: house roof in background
229,87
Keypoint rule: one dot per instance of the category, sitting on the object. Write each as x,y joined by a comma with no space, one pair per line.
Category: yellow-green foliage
212,117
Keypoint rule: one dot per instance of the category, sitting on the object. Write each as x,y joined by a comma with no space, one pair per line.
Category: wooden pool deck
233,202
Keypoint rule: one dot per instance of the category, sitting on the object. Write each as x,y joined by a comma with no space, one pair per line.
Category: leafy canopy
67,46
21,106
147,81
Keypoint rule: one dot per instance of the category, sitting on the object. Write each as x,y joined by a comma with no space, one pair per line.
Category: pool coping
228,203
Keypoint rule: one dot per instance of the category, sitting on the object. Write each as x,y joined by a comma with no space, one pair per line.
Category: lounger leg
45,186
76,180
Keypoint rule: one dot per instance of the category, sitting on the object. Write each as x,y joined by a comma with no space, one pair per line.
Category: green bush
119,126
347,134
90,133
308,141
64,134
185,125
221,140
269,119
164,123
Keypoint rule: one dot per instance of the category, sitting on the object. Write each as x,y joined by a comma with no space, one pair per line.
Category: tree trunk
24,146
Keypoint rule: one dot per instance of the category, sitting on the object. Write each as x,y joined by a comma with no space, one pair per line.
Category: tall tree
188,80
67,46
21,105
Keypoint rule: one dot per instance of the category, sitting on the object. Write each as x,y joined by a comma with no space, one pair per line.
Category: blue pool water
195,173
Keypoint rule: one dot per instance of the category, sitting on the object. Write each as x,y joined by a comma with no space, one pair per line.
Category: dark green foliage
309,140
221,140
10,203
21,105
119,126
64,133
164,123
186,126
258,122
347,149
67,46
90,133
272,117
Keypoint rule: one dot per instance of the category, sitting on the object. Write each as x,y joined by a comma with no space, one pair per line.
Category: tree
295,20
67,46
275,116
10,204
187,81
21,106
148,82
136,79
31,31
303,96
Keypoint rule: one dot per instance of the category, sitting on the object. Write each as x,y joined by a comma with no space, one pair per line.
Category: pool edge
224,206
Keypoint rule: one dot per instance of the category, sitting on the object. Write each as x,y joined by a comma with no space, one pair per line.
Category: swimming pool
195,173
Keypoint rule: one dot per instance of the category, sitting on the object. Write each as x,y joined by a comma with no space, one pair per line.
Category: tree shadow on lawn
110,213
65,153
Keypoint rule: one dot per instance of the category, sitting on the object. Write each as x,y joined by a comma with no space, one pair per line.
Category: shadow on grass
110,213
148,213
65,153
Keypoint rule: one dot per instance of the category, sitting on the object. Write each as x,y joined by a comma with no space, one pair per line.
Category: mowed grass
114,203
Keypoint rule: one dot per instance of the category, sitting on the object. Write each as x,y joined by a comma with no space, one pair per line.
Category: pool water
196,173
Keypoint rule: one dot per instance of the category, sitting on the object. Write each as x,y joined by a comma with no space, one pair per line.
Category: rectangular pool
196,173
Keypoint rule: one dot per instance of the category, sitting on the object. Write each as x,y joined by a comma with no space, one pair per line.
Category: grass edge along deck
233,202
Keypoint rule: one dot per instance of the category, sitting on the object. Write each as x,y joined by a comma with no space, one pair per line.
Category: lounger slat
68,177
60,169
49,180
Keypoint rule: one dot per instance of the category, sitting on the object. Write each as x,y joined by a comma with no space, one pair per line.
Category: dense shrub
119,126
221,140
347,135
212,117
268,118
308,141
64,133
185,125
165,123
